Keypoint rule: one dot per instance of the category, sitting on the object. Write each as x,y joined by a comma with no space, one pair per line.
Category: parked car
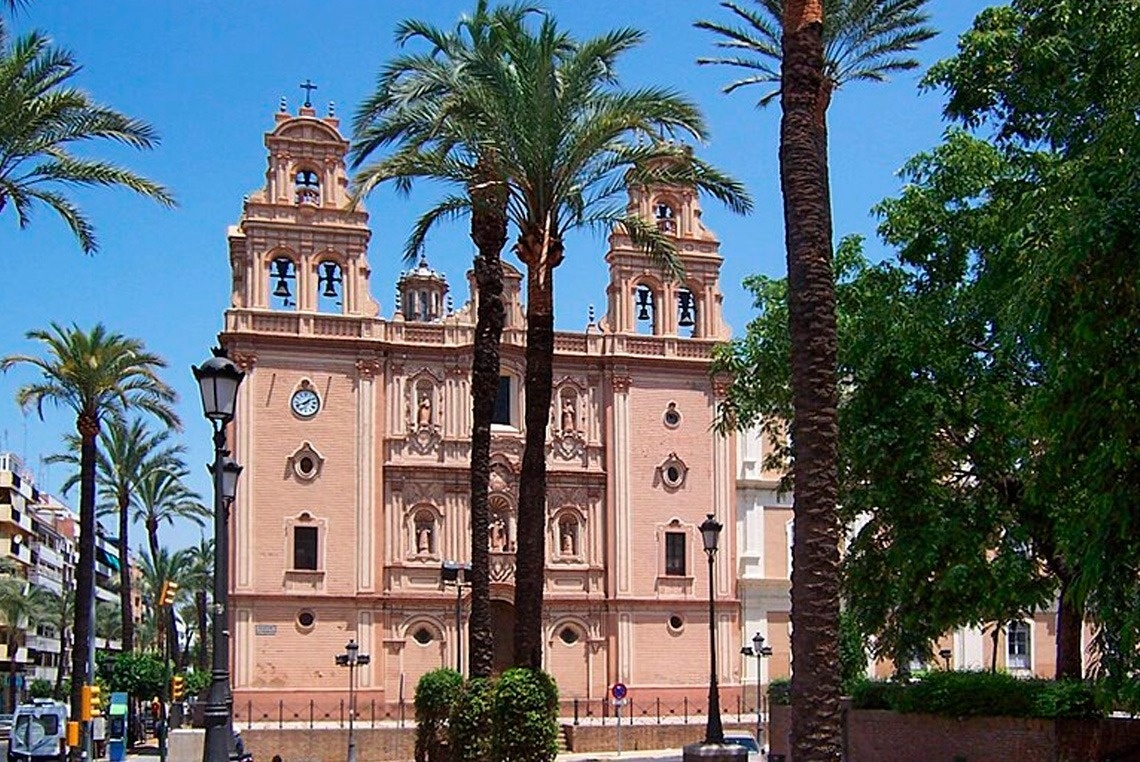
748,741
39,732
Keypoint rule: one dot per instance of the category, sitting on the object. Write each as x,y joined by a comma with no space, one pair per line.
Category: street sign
618,691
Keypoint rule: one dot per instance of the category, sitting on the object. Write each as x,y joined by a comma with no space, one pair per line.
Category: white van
39,732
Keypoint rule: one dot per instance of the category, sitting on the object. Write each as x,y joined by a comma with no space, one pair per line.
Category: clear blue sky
209,76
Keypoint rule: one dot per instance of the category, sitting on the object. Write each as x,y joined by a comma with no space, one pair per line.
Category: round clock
305,403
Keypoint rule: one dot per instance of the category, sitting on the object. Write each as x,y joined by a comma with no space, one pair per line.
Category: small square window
305,548
503,402
675,554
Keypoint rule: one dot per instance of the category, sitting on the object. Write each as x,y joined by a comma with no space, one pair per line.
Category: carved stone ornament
416,493
306,462
368,367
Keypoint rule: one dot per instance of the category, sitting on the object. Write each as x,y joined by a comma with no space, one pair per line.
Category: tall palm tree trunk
88,426
489,232
816,719
530,558
202,663
124,546
13,645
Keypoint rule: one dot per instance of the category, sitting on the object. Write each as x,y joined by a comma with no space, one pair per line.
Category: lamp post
759,650
946,653
454,573
710,536
352,658
218,380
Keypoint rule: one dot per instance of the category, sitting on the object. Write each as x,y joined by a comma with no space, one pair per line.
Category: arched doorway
503,627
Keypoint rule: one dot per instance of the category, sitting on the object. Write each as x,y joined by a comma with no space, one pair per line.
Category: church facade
353,428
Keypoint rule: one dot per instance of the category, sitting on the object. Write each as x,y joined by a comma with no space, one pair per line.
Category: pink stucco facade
353,428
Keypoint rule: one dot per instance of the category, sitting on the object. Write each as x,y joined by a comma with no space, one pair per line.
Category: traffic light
177,687
169,590
91,702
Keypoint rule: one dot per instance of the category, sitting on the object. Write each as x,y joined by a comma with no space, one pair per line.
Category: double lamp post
218,380
760,651
352,658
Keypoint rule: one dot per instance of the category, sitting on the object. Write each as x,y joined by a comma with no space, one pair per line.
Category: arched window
307,187
282,284
1018,642
664,215
569,540
330,287
645,309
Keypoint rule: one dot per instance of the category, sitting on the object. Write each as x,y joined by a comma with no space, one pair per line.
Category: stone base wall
873,735
641,736
330,744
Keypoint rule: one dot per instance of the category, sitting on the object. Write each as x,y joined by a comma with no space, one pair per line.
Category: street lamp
759,650
352,658
946,653
218,380
710,535
454,573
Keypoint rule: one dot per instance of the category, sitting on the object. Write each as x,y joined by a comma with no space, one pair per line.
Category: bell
644,302
330,280
685,302
281,267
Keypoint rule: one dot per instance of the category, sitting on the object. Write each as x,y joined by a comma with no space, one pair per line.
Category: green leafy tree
128,451
414,109
1055,87
44,116
139,675
819,46
97,375
565,136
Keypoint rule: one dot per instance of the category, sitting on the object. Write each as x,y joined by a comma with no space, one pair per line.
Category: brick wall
874,735
330,744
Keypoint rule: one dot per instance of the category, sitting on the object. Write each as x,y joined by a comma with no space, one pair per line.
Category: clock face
305,403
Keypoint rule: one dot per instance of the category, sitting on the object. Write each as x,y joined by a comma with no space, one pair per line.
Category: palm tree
161,496
127,453
565,136
413,96
22,607
819,47
199,579
42,117
158,568
97,375
61,613
863,41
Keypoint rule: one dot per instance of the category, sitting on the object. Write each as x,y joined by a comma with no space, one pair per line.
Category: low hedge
968,694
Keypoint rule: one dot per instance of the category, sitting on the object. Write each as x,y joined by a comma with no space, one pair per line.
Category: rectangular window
675,554
305,548
503,402
1017,656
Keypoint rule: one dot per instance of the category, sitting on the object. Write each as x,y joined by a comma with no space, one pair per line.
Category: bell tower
299,246
641,299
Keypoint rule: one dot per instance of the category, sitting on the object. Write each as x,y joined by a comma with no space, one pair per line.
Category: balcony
17,520
42,644
17,549
47,581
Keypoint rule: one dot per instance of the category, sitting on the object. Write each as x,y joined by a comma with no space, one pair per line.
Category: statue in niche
498,534
423,414
569,539
569,416
423,538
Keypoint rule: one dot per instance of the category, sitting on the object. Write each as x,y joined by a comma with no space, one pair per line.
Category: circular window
673,472
422,636
568,635
672,416
306,619
306,466
676,623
